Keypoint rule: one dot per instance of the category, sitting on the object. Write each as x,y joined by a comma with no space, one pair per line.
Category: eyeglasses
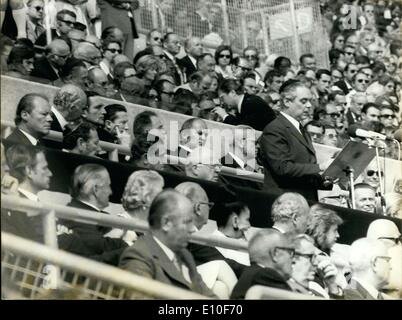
227,56
396,240
388,116
157,39
362,80
245,69
353,71
170,94
152,96
197,205
334,115
38,8
370,173
308,256
112,50
349,53
67,22
276,101
290,251
251,57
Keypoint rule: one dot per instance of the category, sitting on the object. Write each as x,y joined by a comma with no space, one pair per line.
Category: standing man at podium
289,159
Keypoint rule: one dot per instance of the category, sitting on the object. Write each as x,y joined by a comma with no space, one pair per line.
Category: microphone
353,131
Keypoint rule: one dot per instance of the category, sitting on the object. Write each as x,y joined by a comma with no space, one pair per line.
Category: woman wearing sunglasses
223,58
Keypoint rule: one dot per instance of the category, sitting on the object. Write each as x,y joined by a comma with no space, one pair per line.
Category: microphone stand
377,157
350,173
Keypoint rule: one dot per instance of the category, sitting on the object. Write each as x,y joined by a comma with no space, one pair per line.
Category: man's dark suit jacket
91,237
42,39
176,74
256,275
22,224
186,66
341,84
289,160
350,119
17,137
254,112
146,258
203,254
43,69
355,291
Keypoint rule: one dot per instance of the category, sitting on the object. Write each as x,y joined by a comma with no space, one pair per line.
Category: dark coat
17,137
289,160
88,240
43,69
341,84
254,112
186,66
146,258
256,275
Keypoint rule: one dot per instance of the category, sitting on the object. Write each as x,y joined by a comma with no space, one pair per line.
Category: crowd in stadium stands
91,56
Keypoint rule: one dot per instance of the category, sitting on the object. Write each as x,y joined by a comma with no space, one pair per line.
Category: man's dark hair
70,137
278,62
19,157
182,100
269,76
167,36
227,209
112,110
395,46
196,76
334,55
378,66
333,94
20,53
368,106
320,72
201,58
164,204
141,143
227,85
362,60
60,15
304,56
348,65
71,64
27,104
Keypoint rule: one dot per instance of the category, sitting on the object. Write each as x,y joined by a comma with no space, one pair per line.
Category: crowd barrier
259,203
14,89
23,270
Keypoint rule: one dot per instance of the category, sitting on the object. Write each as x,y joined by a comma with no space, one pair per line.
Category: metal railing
110,147
258,292
22,267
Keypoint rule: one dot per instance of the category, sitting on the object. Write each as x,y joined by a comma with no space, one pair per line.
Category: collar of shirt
171,255
278,228
170,56
33,140
29,195
367,286
33,25
91,205
193,60
63,122
105,68
186,148
240,102
292,121
239,161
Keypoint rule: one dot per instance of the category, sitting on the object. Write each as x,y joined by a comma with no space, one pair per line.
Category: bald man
193,134
202,163
49,66
98,82
161,254
370,264
271,255
88,53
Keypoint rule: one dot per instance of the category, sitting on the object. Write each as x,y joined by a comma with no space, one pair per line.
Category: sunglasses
388,116
67,22
290,251
227,56
334,115
170,94
198,205
349,53
275,101
370,173
396,240
157,39
38,8
251,57
112,50
362,80
245,69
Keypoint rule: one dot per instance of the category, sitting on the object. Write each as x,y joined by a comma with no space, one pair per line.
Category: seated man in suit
193,134
202,163
74,72
271,256
289,158
90,190
370,265
217,273
88,53
82,140
171,46
161,254
194,49
68,106
29,166
99,83
115,129
33,119
290,213
249,110
49,66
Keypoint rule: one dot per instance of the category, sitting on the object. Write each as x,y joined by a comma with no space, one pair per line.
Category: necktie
179,265
304,133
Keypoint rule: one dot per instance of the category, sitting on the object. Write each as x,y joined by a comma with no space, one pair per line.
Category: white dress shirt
31,139
292,121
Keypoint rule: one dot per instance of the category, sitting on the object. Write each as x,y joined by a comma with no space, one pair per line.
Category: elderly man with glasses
370,263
